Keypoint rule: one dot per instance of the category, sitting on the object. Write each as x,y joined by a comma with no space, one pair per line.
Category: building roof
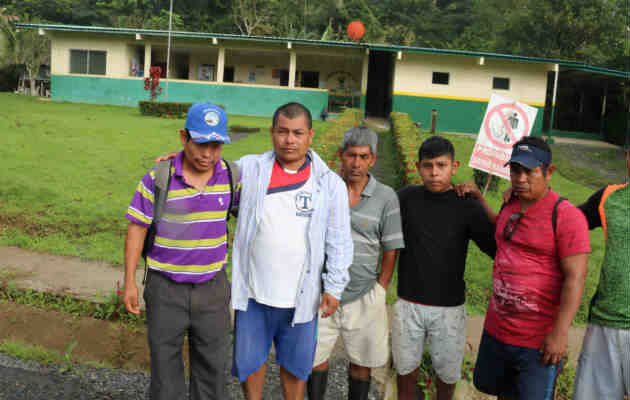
565,64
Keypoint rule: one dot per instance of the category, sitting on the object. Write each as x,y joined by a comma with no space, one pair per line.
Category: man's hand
468,188
130,298
329,305
166,157
554,347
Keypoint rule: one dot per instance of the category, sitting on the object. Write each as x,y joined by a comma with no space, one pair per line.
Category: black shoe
316,385
358,389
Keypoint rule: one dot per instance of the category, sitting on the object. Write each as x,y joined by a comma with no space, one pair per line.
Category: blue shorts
259,326
513,371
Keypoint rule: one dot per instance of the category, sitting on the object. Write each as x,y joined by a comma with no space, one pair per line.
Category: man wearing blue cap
537,281
187,291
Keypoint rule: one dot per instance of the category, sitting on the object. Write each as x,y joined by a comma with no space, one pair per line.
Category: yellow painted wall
262,64
202,56
468,79
119,52
331,69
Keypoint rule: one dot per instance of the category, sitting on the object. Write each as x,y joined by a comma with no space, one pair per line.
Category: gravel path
22,380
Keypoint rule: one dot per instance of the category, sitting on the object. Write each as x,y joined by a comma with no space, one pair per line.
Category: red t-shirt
527,279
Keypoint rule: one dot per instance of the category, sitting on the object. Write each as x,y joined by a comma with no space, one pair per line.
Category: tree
27,48
249,15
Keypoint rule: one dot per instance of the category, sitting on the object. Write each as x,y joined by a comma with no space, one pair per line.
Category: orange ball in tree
356,30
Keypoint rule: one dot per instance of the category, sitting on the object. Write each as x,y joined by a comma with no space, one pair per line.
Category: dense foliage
584,30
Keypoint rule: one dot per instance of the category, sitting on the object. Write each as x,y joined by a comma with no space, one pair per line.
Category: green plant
407,138
427,376
66,357
111,310
18,349
481,179
152,83
565,383
244,129
166,109
327,144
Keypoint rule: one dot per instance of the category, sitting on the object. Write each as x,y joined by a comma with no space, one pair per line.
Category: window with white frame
440,78
91,62
501,83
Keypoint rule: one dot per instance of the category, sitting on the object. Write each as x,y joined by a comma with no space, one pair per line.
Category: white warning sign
506,122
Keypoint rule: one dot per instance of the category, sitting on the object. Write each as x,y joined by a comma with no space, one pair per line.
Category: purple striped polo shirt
191,238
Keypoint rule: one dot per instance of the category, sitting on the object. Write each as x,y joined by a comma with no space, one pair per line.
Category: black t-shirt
590,209
437,228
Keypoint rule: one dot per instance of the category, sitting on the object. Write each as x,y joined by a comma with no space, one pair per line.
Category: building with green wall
254,75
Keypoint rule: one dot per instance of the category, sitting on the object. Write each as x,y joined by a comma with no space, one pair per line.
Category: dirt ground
113,344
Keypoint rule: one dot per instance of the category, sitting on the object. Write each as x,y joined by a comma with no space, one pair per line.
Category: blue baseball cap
207,122
529,156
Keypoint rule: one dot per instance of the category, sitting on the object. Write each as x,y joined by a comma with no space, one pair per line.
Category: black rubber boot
316,385
358,389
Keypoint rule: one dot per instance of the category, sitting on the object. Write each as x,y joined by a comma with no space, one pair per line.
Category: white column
364,72
147,59
220,64
555,84
292,68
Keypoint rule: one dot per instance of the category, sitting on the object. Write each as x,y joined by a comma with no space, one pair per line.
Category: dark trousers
201,311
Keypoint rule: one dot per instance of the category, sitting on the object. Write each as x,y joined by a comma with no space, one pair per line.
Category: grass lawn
70,171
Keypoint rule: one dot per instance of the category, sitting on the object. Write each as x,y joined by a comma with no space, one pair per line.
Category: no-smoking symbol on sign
505,124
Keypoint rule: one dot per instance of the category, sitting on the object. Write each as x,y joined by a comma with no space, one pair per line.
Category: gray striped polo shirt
376,227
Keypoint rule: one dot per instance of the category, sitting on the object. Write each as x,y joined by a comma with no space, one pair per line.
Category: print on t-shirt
304,204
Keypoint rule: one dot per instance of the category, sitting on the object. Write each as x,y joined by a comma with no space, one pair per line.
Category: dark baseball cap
529,156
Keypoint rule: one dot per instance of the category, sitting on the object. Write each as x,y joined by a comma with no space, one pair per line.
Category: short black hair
436,146
537,142
292,111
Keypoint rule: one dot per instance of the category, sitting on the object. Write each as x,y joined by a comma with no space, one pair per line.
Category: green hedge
166,109
407,139
327,145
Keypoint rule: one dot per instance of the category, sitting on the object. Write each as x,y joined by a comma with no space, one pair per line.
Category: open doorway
378,102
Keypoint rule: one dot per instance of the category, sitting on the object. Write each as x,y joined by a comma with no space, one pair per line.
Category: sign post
505,123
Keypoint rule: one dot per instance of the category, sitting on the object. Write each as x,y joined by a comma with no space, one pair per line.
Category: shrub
9,78
481,179
244,129
152,84
166,109
328,144
407,139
